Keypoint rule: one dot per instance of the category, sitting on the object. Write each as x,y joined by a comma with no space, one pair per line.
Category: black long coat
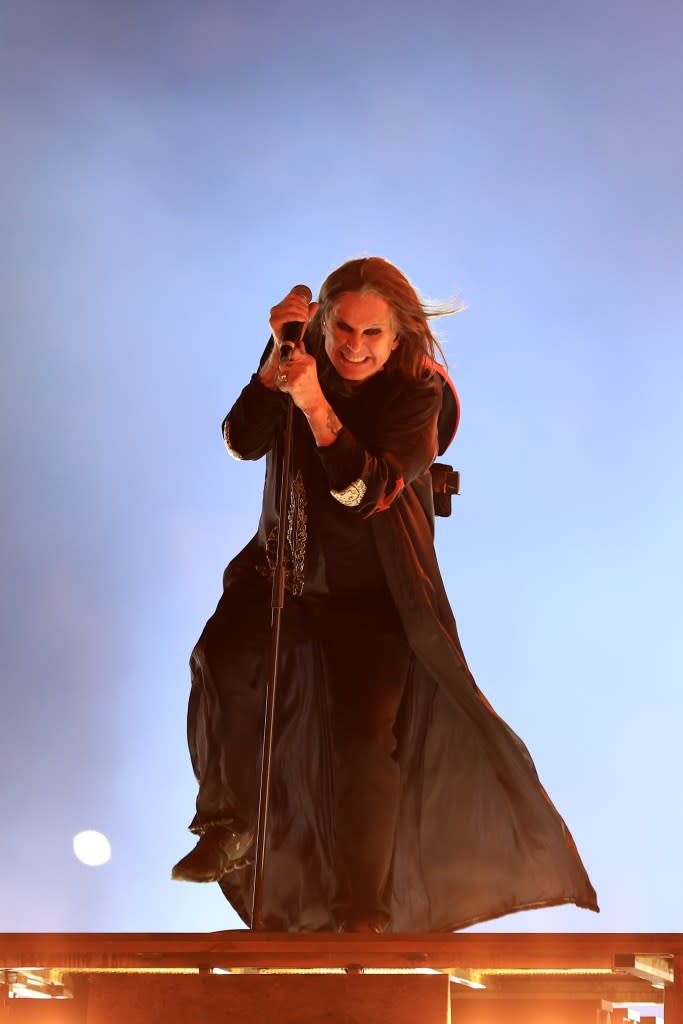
478,836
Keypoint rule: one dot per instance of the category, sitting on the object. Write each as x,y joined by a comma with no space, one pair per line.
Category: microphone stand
277,604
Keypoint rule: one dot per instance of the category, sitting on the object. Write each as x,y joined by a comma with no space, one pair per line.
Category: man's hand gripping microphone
293,331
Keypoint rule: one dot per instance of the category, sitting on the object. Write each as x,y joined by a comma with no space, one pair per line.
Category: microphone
292,331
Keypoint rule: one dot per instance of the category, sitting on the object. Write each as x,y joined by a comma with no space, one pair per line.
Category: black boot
219,851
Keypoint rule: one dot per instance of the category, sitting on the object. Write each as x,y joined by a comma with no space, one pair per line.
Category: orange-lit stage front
469,978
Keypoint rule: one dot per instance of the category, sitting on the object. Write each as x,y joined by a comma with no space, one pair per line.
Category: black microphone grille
303,290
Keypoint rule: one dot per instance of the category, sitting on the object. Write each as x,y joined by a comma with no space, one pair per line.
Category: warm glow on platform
92,848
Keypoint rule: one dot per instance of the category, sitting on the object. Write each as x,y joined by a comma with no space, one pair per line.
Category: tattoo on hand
332,423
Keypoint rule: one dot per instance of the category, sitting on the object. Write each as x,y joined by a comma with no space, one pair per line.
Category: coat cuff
344,462
251,417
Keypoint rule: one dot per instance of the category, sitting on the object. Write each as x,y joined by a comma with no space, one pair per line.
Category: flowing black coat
478,836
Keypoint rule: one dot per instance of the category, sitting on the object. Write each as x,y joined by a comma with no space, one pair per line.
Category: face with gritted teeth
360,335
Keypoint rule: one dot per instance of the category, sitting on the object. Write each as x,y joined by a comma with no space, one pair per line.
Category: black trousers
344,666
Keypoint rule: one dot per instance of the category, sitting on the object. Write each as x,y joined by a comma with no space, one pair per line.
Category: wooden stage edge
472,978
242,948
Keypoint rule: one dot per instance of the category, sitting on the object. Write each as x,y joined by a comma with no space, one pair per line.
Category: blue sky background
169,171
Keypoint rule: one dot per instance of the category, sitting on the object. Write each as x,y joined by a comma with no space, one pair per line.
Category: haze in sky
169,171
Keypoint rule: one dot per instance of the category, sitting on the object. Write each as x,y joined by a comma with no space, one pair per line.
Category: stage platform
427,978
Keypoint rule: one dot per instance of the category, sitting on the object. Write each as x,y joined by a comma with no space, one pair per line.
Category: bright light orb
92,848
